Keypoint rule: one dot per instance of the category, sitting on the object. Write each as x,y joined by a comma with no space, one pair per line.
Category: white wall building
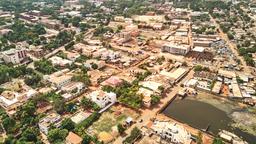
14,56
172,131
175,49
51,119
102,98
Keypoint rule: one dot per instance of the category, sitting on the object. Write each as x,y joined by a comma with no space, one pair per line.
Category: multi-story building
102,98
14,56
171,131
175,49
51,119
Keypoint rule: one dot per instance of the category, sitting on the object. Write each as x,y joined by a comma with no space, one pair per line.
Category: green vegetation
155,99
99,31
120,128
127,94
45,66
57,135
67,124
81,127
33,80
88,104
9,72
83,77
135,134
239,80
128,8
217,141
21,32
202,18
247,54
64,37
24,122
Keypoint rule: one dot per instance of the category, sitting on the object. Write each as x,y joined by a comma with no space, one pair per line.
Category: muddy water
200,114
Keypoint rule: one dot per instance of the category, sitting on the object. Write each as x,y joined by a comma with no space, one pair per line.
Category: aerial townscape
128,71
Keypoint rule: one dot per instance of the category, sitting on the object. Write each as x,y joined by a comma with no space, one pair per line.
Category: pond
216,114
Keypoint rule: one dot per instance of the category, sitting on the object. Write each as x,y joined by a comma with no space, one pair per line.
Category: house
14,56
236,92
226,74
79,117
217,87
123,37
158,26
72,90
58,61
46,123
176,75
72,55
73,138
94,64
171,131
113,81
60,78
119,18
11,100
146,93
175,49
102,98
154,86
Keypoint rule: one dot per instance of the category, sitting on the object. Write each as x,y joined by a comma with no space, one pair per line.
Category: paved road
232,46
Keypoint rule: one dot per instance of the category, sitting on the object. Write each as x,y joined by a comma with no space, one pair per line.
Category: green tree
59,105
217,141
198,68
155,99
30,135
57,135
67,124
9,124
120,128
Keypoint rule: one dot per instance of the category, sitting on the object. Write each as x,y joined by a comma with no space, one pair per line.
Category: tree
67,124
199,138
94,66
30,135
26,113
82,77
86,139
8,124
58,105
217,141
120,128
155,99
230,35
198,68
76,21
135,133
10,140
57,135
45,66
33,80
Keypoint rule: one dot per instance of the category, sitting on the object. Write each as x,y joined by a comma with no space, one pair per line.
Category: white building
58,61
172,131
176,49
14,56
102,98
51,119
60,78
10,100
